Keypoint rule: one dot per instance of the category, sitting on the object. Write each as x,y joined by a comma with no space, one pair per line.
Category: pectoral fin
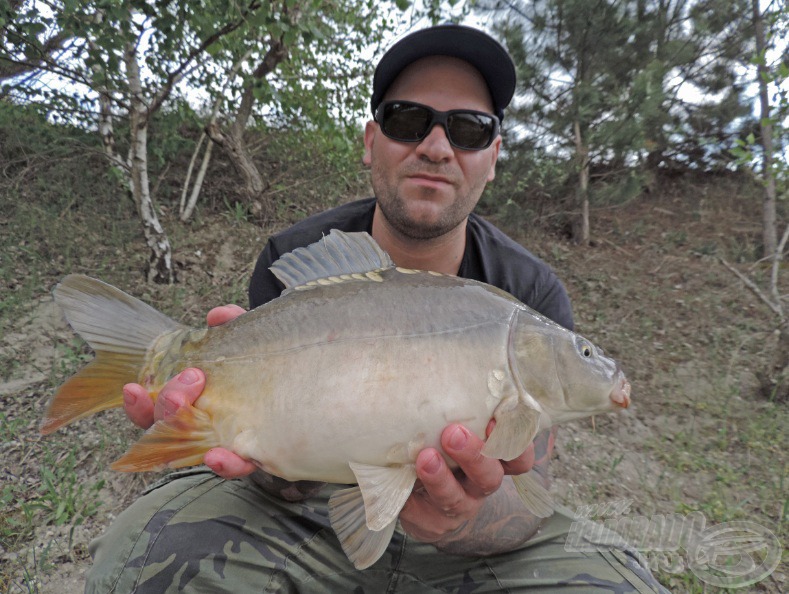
514,431
533,494
385,490
362,545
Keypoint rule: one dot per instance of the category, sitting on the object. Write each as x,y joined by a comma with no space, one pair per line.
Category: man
438,99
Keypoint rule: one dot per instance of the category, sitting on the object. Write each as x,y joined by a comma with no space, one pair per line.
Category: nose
435,146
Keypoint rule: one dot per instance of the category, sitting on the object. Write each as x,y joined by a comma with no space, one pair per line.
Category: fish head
565,373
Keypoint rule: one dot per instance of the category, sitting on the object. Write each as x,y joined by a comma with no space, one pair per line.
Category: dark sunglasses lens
411,123
406,122
471,130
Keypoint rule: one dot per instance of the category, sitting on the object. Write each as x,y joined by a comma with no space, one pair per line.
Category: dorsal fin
337,256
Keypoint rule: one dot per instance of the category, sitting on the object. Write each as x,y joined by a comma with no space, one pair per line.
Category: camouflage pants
196,532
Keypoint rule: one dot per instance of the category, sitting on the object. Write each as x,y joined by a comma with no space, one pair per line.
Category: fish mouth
620,395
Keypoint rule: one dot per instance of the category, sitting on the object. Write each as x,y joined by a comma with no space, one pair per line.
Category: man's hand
443,502
185,388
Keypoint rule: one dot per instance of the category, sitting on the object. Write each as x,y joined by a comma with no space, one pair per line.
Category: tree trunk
160,262
232,141
769,233
775,378
582,155
186,208
236,148
106,125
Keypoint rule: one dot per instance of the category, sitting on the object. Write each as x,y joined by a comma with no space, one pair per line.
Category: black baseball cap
470,45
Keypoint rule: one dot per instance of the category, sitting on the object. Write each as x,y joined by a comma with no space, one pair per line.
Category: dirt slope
651,291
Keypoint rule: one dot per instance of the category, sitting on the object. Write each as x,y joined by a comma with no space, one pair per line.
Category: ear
494,151
370,130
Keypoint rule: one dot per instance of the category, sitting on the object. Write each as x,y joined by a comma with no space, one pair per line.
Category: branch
777,309
179,72
186,208
46,64
275,54
17,67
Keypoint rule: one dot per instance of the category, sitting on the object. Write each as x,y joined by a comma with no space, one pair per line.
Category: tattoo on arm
543,449
503,523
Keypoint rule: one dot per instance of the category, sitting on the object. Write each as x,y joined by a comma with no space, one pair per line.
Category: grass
47,484
61,212
690,337
62,498
48,491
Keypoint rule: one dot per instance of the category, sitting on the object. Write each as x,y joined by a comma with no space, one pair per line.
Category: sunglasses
466,129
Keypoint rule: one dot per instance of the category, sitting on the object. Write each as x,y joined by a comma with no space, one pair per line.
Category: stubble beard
395,209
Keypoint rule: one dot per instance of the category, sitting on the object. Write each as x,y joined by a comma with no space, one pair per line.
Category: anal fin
180,440
348,519
385,490
533,494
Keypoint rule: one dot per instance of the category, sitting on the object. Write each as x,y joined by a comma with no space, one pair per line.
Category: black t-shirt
490,257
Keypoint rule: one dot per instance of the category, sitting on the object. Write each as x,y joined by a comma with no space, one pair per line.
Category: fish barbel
344,378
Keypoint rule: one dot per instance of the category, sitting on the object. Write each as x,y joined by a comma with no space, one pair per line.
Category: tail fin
121,329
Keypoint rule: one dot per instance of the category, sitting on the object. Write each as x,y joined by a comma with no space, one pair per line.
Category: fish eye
585,349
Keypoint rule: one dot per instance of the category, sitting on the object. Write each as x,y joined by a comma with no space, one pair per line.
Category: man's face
426,189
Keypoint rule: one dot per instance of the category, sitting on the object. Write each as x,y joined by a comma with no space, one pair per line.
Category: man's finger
138,405
223,314
441,485
484,474
227,464
183,389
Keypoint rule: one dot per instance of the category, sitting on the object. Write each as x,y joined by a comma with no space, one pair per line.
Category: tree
765,75
615,83
300,63
127,56
694,97
22,34
768,164
108,62
574,74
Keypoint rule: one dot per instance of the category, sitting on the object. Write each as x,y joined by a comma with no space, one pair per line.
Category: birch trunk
106,125
160,262
187,208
